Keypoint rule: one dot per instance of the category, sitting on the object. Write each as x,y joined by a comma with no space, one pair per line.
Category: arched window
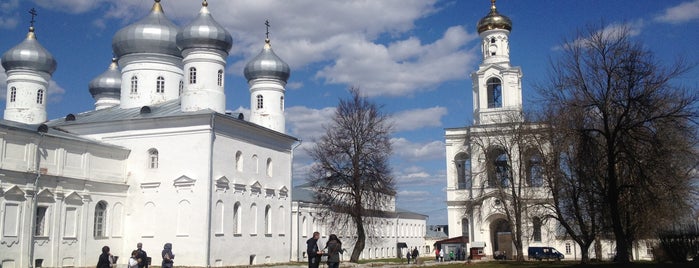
253,216
535,170
134,84
536,234
465,228
463,171
269,167
192,75
220,78
239,161
237,221
492,40
100,220
268,219
498,168
13,94
494,93
40,96
260,103
160,85
256,164
181,87
153,158
281,103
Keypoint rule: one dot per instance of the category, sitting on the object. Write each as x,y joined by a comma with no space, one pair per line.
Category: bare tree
510,173
351,173
639,127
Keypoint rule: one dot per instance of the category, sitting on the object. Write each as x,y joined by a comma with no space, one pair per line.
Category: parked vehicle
540,253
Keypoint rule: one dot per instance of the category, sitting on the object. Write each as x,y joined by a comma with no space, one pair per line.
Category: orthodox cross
267,24
33,12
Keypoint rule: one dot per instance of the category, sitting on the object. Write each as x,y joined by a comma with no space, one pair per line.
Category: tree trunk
361,239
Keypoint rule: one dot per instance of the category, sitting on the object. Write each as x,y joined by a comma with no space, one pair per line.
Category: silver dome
267,65
108,82
204,32
29,55
153,34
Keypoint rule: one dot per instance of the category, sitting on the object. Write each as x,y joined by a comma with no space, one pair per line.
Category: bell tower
497,86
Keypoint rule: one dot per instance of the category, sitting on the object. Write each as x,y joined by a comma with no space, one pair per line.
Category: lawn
527,264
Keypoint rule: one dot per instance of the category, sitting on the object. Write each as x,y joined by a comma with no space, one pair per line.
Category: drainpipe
291,191
210,191
42,131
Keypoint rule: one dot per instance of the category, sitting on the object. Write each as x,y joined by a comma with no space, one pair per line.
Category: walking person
334,247
441,256
415,254
105,260
168,256
142,256
407,255
312,251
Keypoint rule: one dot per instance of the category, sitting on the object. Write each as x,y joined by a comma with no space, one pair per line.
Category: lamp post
42,129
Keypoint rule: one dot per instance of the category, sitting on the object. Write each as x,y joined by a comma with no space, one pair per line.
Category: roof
51,132
453,240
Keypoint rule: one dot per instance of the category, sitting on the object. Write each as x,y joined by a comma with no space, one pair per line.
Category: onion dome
204,32
494,20
108,82
153,34
29,55
267,65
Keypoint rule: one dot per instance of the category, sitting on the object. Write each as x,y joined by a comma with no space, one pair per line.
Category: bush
680,243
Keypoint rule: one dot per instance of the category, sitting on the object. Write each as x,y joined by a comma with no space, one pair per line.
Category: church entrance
501,239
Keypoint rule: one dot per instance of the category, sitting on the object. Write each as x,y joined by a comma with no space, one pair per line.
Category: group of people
332,249
412,255
138,259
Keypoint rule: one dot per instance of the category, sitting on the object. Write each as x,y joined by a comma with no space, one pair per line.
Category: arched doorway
501,237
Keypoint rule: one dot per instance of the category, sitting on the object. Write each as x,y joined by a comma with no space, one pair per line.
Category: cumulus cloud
418,152
403,67
307,123
69,6
418,176
681,13
418,118
612,31
8,16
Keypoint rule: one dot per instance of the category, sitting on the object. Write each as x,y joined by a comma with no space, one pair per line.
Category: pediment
74,198
222,184
256,185
46,196
15,191
184,181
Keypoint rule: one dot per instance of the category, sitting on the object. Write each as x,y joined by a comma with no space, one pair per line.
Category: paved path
372,264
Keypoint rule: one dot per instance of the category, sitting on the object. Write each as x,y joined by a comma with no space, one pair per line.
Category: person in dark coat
105,260
334,247
312,251
142,257
167,256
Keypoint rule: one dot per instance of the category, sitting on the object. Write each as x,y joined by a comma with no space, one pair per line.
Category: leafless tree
351,174
509,173
637,125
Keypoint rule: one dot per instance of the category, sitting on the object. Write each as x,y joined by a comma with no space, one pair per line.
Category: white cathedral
474,154
159,160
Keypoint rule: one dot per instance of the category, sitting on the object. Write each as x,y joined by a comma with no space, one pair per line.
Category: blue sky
412,56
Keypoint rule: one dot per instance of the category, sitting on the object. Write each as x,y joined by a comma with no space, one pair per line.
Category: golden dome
494,20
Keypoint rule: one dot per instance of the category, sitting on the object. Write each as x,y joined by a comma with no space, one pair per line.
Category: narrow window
492,40
153,158
536,235
260,103
268,219
134,84
253,216
13,94
192,75
535,170
39,228
281,103
239,161
220,78
40,96
181,87
269,167
160,85
100,219
236,218
567,248
494,93
463,170
498,169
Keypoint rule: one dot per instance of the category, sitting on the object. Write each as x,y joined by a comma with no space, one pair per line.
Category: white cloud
612,31
418,118
417,152
8,16
70,6
306,123
403,67
681,13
